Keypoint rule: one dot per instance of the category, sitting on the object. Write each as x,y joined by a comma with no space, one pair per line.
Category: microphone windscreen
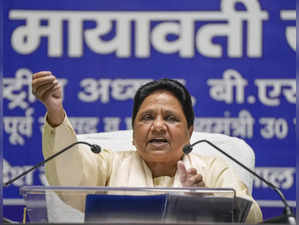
187,149
95,148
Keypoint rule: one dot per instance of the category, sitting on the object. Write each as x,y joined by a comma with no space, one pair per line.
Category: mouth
158,142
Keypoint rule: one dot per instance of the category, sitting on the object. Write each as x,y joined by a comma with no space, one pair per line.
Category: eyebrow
147,111
167,111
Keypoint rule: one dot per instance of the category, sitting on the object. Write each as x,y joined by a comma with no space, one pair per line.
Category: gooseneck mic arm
93,147
288,212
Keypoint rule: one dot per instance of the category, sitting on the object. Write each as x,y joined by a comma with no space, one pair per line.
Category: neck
159,169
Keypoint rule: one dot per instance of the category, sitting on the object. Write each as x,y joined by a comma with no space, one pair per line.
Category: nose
158,124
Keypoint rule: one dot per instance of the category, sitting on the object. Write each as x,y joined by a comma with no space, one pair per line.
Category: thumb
182,171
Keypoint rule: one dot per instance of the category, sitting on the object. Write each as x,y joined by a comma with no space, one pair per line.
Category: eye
171,118
147,117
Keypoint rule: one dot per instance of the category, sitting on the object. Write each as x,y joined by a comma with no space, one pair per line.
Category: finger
47,95
51,91
46,87
38,83
43,80
197,178
38,87
201,184
41,74
192,171
182,171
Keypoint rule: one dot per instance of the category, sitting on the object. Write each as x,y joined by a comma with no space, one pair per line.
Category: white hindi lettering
273,127
41,121
84,125
9,172
223,89
203,124
93,90
42,176
233,30
184,32
18,127
111,123
152,29
120,44
14,92
241,126
124,89
25,39
282,177
271,90
121,89
290,30
128,122
13,89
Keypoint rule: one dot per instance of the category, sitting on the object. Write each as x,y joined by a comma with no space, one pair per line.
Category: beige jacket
81,167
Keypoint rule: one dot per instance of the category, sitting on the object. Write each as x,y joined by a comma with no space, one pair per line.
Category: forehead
161,98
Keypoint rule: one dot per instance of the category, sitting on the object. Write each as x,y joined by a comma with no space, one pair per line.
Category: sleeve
223,176
75,167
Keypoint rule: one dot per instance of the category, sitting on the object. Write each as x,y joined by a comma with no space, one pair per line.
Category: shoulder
110,154
208,161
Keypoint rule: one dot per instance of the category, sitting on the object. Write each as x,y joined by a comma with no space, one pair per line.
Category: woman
162,122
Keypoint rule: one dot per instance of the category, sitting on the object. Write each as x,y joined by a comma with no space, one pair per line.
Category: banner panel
237,58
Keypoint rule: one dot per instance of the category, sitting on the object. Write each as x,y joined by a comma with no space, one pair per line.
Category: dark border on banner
297,107
1,103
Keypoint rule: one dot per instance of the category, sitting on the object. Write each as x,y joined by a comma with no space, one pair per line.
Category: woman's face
160,129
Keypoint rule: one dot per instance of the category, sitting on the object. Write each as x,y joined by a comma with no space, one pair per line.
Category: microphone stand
287,212
93,147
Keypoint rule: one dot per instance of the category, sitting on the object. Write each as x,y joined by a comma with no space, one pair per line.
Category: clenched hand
45,87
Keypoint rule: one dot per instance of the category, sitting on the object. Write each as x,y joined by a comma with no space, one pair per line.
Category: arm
215,173
45,88
77,166
73,167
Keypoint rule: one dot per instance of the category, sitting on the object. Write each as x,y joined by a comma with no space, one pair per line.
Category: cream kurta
81,167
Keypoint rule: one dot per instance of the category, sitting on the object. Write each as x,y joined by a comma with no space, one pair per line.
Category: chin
156,154
159,156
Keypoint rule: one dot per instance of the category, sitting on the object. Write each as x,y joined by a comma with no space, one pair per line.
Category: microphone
93,147
287,209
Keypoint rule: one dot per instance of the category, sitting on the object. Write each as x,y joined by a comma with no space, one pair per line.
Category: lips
158,143
158,140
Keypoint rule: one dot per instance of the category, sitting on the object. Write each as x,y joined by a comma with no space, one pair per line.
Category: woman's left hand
190,177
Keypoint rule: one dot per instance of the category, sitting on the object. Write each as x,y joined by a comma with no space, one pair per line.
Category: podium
104,205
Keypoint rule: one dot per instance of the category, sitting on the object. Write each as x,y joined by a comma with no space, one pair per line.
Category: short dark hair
173,86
